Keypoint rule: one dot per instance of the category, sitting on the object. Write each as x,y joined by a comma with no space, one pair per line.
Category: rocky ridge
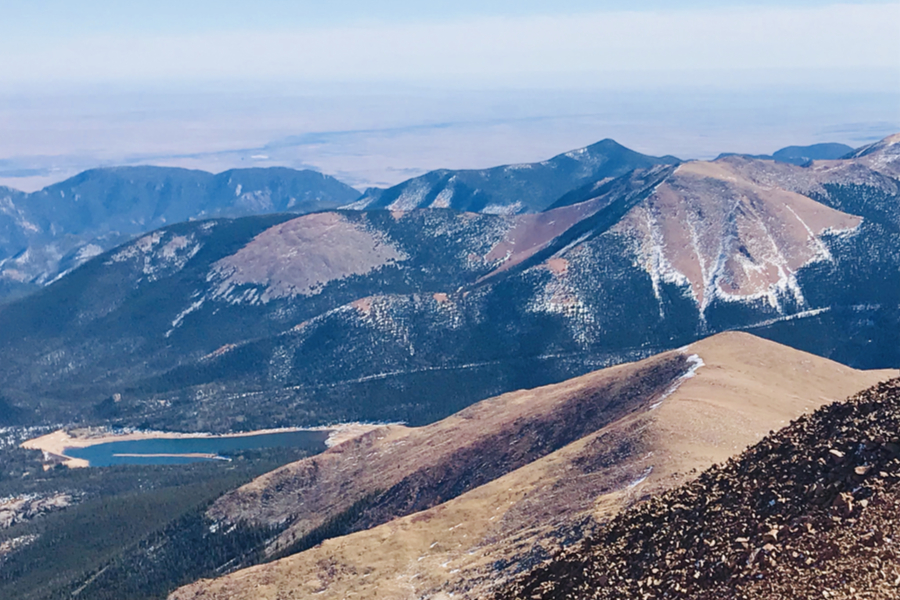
809,512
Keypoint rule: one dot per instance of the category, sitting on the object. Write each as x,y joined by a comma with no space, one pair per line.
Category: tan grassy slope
394,471
745,387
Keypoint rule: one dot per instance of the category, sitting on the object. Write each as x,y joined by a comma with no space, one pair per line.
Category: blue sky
66,17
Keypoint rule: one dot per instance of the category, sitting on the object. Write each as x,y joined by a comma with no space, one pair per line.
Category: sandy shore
54,444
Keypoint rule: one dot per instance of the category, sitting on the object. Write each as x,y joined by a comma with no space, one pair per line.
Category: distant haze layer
374,93
381,135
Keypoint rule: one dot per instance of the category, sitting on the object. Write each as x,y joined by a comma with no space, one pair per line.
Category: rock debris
809,512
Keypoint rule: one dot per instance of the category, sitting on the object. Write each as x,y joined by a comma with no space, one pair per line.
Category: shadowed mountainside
801,155
512,189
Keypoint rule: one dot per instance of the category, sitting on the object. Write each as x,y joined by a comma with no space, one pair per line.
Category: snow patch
503,209
412,196
158,262
88,252
657,263
442,200
144,245
822,252
800,315
641,479
695,363
360,204
29,226
60,276
180,316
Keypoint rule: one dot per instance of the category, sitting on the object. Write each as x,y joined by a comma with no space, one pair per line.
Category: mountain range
560,365
375,315
511,189
51,231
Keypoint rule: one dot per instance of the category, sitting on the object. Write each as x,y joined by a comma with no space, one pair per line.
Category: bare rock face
530,233
301,256
727,237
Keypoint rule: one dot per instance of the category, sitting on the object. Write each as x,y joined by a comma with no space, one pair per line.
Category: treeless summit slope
735,388
809,512
712,226
395,470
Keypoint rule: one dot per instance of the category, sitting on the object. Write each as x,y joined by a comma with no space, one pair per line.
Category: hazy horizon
376,94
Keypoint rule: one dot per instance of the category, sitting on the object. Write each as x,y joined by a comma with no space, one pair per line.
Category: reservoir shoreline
57,446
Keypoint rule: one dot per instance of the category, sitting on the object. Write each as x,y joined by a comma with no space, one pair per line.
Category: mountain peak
883,156
511,189
729,237
607,143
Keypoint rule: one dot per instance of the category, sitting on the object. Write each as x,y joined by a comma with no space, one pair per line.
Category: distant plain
379,135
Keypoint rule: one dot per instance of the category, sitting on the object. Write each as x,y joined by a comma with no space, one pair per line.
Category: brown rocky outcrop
809,512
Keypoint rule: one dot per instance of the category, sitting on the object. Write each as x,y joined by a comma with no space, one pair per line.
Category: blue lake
110,453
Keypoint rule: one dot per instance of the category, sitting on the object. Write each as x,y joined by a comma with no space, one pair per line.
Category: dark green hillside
879,204
111,321
117,514
137,199
802,155
861,290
